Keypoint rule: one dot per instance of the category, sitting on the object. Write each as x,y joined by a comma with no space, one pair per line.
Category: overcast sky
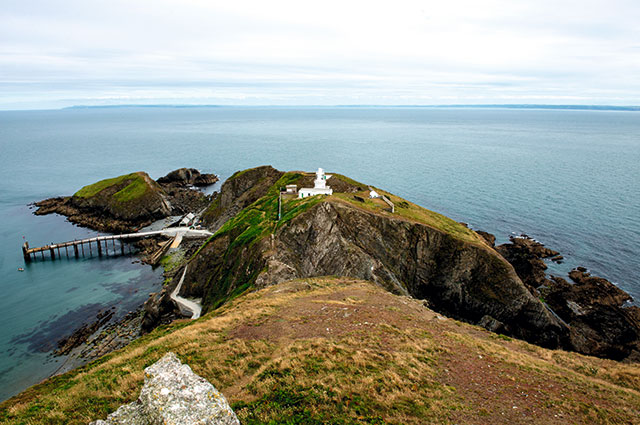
57,53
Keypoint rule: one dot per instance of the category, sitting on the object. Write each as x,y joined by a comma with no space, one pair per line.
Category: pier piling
78,245
25,252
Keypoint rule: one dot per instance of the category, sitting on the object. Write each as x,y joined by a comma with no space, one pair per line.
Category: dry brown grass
343,351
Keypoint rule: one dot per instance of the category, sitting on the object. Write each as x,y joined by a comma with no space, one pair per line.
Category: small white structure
373,194
187,220
292,188
319,186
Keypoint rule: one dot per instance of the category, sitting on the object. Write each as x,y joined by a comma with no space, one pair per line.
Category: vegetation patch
135,186
386,359
412,212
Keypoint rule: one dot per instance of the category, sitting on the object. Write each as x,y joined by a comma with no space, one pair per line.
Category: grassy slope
248,227
412,212
136,187
259,220
343,351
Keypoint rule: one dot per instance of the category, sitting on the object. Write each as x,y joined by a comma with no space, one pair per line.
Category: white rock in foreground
172,394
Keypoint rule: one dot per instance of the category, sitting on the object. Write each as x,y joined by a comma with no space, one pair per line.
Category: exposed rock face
491,239
173,394
188,176
239,191
464,279
525,255
158,310
593,307
333,238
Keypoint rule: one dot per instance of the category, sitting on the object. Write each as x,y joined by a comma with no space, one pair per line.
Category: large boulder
173,394
188,176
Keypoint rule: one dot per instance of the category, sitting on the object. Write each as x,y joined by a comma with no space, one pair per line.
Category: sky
57,53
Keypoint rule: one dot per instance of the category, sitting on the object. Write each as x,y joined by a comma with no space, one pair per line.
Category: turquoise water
571,179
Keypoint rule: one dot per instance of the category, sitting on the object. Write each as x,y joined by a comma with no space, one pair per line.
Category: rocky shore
415,252
126,203
172,194
600,320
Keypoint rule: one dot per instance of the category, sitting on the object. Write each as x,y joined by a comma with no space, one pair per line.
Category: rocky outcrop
124,203
491,239
173,394
240,190
600,324
525,255
159,309
498,288
184,177
462,280
80,335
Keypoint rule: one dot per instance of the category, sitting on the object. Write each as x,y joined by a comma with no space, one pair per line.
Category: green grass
246,229
416,213
347,180
135,188
172,260
398,371
261,218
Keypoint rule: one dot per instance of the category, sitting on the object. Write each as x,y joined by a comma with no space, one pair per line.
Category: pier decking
101,243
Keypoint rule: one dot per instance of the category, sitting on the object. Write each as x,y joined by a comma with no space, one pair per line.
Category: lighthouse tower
321,180
319,186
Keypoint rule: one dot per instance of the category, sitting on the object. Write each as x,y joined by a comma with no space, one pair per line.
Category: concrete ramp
184,304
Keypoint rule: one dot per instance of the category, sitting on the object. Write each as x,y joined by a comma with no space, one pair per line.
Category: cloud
56,52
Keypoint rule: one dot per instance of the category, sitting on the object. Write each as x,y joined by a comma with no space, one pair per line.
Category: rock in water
173,394
187,176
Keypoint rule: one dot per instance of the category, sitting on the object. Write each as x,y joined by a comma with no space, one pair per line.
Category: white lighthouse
319,186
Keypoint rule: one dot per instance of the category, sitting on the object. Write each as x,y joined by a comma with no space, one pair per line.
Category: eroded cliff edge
412,251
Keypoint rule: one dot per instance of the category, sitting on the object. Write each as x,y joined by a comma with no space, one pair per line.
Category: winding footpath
184,303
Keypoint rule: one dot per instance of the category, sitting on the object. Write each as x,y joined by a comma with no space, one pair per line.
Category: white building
292,188
319,186
374,194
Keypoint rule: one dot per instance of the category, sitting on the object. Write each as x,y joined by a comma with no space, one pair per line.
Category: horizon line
592,107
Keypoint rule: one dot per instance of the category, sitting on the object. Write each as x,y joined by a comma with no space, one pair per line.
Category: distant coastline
457,106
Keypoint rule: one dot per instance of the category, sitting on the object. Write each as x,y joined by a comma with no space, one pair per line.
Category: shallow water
570,179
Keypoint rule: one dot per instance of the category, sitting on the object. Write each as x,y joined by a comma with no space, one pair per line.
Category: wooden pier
105,245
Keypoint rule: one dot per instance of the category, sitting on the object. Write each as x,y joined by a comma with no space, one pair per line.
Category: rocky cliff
600,321
413,252
127,202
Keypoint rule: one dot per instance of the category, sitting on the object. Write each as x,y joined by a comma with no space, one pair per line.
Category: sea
568,178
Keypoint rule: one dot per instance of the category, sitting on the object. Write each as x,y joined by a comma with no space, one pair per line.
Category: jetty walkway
101,243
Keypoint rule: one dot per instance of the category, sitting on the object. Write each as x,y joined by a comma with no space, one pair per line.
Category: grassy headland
343,351
134,184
